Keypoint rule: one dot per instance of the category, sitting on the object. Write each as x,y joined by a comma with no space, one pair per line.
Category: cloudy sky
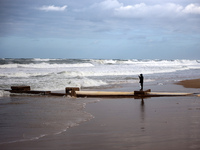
105,29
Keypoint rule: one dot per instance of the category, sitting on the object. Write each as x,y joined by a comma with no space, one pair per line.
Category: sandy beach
131,124
195,83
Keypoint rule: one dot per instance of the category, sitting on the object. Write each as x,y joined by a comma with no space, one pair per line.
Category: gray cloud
164,10
113,14
141,10
117,25
96,18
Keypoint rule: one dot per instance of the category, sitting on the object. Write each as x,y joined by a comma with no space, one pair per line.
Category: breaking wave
58,73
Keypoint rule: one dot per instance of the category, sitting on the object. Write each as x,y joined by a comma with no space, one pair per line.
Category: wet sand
195,83
131,124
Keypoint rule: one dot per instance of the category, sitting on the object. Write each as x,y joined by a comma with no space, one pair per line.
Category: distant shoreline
193,83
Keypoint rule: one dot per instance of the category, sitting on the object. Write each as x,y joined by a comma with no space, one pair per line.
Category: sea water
28,117
56,74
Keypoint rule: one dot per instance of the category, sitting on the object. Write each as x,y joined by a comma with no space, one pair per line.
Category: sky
100,29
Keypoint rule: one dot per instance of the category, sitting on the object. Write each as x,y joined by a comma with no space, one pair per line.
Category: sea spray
4,93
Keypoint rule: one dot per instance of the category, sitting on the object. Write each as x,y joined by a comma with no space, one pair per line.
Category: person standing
141,81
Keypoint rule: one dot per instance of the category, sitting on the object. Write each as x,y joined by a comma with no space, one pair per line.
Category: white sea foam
23,140
40,59
55,84
4,93
45,65
59,73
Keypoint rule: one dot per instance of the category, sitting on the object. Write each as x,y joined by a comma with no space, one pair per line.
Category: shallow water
24,118
156,123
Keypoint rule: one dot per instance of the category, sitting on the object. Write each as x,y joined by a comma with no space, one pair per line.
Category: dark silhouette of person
141,81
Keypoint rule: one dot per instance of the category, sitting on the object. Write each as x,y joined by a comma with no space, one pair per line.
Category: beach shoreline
125,123
192,83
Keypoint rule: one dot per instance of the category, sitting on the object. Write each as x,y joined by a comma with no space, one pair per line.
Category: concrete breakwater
75,92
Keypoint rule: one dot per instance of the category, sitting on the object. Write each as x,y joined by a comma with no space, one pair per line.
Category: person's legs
141,86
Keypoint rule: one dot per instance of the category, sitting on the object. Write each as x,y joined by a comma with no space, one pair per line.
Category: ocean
28,117
56,74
